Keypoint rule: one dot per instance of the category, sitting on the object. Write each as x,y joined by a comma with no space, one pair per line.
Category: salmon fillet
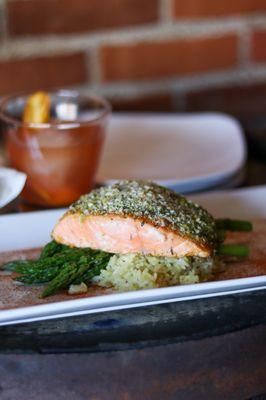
138,217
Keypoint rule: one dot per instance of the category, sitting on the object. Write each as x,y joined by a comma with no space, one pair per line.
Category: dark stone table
199,349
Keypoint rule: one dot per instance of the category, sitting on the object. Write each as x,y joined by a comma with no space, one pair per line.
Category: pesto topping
152,203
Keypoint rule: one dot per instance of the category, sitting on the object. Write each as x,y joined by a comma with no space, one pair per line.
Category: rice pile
136,271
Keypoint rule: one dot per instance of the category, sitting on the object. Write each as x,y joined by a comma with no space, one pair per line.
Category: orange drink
60,157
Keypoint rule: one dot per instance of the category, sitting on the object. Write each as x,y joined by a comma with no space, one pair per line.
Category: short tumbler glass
61,157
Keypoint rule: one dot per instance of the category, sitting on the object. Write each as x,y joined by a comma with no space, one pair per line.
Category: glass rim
59,125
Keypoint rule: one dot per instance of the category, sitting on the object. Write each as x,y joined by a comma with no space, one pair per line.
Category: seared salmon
138,217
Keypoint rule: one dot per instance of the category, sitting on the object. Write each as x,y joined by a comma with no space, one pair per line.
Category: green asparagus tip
233,225
233,250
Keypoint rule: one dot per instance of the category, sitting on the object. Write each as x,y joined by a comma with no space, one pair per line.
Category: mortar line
165,10
129,90
173,31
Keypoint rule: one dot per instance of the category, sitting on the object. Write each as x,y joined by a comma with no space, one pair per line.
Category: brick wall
142,54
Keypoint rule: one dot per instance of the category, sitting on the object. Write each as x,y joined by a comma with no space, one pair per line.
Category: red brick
155,102
167,59
241,101
258,45
30,17
209,8
42,73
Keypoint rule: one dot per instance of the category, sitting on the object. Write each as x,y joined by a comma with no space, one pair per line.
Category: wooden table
200,349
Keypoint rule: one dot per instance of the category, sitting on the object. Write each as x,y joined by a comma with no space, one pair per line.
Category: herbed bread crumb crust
151,203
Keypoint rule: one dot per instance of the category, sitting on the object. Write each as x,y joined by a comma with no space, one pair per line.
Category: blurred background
152,55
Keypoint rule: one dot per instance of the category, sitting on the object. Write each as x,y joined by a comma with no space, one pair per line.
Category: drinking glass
61,157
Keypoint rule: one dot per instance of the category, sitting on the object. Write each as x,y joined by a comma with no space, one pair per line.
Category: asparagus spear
233,225
60,265
52,248
44,269
17,265
233,250
67,275
27,266
39,276
98,263
77,272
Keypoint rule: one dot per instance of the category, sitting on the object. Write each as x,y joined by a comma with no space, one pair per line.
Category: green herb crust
152,203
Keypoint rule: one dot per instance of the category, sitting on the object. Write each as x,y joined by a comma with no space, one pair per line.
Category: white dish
121,301
188,152
11,185
240,203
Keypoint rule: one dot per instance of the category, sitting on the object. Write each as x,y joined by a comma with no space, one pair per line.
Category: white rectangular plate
241,203
188,152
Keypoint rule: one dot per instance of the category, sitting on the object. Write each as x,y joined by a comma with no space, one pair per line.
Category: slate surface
226,367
